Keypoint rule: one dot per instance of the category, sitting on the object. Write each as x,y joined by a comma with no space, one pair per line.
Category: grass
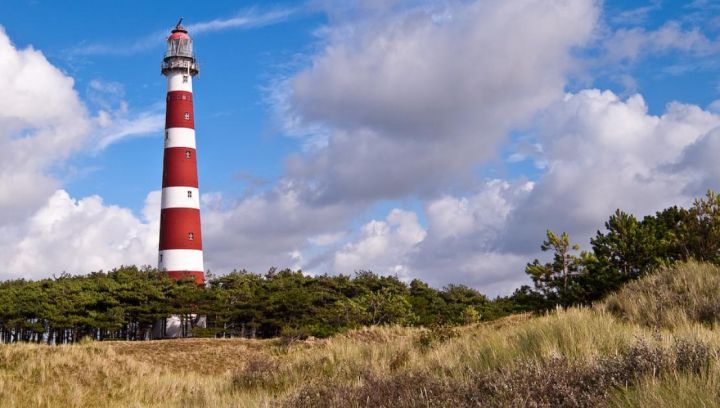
673,298
654,343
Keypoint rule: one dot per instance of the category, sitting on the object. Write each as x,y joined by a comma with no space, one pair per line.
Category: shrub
259,372
434,336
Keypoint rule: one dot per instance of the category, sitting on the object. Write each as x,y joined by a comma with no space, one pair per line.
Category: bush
259,372
434,336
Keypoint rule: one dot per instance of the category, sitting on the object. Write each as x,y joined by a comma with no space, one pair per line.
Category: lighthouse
180,252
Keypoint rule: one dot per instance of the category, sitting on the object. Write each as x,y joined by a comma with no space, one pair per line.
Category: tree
427,304
458,298
553,279
386,307
701,232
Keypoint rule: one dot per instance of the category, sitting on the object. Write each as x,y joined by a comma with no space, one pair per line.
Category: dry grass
686,294
611,355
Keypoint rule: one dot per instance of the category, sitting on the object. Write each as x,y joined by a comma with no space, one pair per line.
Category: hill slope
651,343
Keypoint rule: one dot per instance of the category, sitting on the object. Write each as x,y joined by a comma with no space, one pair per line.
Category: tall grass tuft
672,298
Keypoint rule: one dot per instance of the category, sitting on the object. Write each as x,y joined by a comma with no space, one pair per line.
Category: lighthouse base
177,326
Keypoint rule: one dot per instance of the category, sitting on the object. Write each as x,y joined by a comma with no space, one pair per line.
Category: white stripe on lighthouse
179,81
180,137
180,197
181,260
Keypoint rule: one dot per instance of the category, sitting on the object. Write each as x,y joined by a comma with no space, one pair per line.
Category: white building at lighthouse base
176,326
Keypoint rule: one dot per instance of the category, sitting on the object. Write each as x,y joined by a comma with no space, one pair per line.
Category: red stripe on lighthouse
179,111
178,275
180,167
180,229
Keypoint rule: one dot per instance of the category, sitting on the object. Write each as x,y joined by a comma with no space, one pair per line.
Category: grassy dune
651,344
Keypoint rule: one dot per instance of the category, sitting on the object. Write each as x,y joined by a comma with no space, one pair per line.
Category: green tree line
125,303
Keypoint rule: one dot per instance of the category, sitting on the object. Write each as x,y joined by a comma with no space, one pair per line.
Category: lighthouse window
187,154
185,78
167,135
189,194
186,116
191,236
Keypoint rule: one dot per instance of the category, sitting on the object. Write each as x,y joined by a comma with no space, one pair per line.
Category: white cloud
247,19
267,229
327,239
83,235
79,236
602,153
42,121
109,87
628,44
115,120
450,217
117,126
636,15
459,244
605,153
382,245
463,242
412,100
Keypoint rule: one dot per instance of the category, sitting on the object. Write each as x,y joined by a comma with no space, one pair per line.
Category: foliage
123,304
626,250
554,279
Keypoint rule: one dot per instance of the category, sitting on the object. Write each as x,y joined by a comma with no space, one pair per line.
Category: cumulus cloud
463,241
699,164
42,121
267,229
601,153
79,236
605,153
383,246
82,235
459,245
413,100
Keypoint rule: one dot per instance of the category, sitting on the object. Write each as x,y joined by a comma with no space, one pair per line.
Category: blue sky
425,139
114,45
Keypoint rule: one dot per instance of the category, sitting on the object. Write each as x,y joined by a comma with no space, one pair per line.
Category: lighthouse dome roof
179,32
179,35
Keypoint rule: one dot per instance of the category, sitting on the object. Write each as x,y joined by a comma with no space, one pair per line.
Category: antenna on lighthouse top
179,27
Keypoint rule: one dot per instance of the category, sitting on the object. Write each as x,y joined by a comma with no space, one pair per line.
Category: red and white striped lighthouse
180,236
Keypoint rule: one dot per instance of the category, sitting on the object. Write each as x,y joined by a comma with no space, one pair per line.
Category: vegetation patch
687,293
